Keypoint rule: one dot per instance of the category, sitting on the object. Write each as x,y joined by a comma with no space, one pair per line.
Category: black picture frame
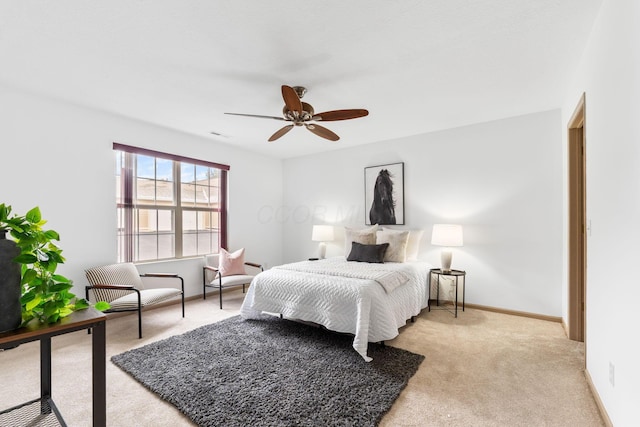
384,205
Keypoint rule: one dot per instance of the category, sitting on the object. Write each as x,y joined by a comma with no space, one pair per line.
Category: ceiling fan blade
329,116
291,99
322,131
280,132
258,116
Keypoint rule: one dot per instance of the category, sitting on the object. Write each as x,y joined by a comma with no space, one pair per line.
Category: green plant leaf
34,216
102,306
24,241
50,266
49,310
81,304
15,228
26,318
26,259
52,235
32,284
33,303
60,278
27,297
64,312
59,287
29,275
55,255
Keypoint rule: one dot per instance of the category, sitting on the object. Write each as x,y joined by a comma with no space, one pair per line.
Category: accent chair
121,286
212,277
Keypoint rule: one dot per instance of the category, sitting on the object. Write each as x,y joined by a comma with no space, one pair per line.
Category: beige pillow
397,240
366,236
413,244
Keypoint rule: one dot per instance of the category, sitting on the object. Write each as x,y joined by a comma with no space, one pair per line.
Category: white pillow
366,236
397,240
413,245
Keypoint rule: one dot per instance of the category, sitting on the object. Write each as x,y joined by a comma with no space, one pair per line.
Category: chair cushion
147,297
238,279
231,263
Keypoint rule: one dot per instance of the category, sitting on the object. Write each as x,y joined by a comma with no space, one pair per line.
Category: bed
369,300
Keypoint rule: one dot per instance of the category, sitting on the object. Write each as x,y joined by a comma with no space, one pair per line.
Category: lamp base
322,250
445,260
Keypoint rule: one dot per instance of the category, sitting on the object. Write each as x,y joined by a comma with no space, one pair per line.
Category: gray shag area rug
271,372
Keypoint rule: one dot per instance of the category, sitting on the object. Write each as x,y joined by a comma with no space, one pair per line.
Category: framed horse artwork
384,194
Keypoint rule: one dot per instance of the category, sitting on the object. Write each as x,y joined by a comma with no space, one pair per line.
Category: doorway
577,244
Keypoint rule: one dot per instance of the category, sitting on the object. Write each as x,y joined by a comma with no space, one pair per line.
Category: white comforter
346,299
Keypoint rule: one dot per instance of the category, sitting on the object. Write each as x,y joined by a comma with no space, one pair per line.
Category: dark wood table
90,319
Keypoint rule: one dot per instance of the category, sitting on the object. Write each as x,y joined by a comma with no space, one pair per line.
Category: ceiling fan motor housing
306,115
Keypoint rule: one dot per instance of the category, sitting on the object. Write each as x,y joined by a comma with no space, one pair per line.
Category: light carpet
271,372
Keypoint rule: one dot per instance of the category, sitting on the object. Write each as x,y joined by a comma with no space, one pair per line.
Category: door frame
577,242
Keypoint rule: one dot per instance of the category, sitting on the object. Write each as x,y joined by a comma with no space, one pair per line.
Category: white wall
59,157
609,77
501,180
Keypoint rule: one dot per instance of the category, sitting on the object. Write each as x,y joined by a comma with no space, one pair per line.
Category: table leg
98,348
464,289
45,374
429,292
456,309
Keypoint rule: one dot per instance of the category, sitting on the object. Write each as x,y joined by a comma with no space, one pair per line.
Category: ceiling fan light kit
302,114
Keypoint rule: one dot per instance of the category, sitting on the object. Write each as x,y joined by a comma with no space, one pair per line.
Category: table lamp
322,234
447,235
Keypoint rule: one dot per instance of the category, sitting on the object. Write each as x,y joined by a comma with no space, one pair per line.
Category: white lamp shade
322,233
447,235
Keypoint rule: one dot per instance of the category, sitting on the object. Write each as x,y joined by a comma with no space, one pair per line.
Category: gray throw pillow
367,253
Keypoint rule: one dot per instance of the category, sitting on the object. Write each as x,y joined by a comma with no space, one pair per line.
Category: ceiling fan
302,114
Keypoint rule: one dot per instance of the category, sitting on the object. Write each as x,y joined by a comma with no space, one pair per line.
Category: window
168,206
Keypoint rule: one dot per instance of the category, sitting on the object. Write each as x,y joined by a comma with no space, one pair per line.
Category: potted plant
44,295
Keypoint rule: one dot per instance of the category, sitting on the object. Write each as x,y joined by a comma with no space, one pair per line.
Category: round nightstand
452,273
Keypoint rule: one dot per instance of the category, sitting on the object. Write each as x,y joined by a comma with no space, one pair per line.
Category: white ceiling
416,65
